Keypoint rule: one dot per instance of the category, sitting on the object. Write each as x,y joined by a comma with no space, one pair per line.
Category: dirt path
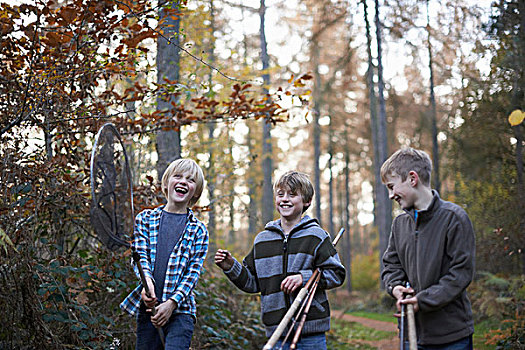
385,344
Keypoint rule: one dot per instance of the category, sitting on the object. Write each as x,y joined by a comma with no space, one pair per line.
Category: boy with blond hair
283,258
172,244
432,247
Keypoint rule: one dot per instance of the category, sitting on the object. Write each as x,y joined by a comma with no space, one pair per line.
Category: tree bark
331,182
317,129
433,112
168,66
347,254
267,164
384,205
211,174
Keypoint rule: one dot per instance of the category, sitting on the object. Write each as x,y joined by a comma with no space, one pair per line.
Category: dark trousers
177,332
461,344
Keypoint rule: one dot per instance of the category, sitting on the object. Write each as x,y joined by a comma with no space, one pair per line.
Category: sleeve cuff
306,275
391,287
235,270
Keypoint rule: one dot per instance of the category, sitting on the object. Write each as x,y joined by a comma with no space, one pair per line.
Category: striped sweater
274,257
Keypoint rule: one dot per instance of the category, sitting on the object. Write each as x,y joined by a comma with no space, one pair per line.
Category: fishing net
111,212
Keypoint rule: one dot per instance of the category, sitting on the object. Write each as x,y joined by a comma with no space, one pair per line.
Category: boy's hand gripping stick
136,259
304,292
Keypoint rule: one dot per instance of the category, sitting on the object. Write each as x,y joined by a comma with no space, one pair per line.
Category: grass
353,331
374,316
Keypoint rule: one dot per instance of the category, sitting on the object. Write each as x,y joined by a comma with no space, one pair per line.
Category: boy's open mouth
181,190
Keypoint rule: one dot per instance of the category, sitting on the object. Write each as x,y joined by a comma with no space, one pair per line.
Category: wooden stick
294,319
296,303
289,314
412,336
136,258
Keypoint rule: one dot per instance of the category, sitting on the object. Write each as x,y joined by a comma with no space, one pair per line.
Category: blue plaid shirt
184,264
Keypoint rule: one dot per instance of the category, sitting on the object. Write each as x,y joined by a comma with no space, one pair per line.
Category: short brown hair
296,182
180,167
406,160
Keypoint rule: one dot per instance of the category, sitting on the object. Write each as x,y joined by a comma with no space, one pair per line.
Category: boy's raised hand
224,259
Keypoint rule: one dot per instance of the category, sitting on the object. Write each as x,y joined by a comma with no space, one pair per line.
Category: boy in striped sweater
283,258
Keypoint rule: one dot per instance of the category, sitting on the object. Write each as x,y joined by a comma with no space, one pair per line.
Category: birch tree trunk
168,66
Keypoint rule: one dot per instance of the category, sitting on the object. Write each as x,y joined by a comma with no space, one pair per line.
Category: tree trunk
253,205
168,59
433,113
378,207
331,182
317,129
347,254
384,205
267,166
253,224
211,174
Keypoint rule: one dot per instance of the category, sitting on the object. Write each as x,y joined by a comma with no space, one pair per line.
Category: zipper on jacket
285,269
416,236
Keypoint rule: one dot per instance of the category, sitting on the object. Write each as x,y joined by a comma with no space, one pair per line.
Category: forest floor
383,344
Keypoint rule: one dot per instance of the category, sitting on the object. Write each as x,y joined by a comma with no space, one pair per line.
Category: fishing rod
402,327
305,292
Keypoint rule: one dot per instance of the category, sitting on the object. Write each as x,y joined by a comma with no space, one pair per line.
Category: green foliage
66,303
227,317
495,297
495,211
365,272
498,304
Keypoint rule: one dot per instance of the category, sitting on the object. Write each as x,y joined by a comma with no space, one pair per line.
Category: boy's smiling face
402,192
289,204
181,189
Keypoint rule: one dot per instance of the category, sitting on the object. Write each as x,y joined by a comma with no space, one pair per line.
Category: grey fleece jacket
435,253
274,257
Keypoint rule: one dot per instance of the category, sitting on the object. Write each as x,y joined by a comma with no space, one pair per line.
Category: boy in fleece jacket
432,247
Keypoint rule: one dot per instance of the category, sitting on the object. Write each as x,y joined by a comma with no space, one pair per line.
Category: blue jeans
177,332
461,344
307,342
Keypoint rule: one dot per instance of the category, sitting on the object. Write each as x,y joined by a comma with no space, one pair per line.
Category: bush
227,317
365,272
499,301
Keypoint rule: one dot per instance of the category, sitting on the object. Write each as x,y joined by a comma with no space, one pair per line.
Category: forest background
249,90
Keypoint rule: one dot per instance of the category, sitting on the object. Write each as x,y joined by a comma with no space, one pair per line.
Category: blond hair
180,167
296,182
406,160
